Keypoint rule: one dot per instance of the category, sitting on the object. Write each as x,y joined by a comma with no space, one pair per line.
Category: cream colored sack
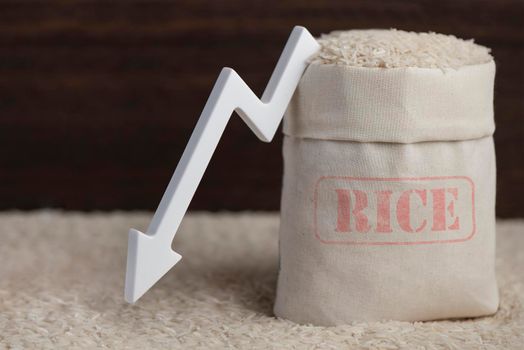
388,198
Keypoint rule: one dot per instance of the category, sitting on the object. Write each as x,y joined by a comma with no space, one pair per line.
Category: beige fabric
61,287
393,105
396,230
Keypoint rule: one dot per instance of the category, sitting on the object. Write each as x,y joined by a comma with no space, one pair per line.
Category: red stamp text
394,211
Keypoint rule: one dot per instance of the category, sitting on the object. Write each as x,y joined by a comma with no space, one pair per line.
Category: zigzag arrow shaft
148,258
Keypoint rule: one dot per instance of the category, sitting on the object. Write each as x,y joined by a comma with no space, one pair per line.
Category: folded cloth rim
401,105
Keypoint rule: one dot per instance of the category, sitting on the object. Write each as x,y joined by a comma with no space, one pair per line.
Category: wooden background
98,98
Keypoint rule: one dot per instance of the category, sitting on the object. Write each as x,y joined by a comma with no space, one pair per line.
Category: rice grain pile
62,288
397,48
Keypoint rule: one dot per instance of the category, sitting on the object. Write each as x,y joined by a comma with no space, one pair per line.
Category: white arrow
149,256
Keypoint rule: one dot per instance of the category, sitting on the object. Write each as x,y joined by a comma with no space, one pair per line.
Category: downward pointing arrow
149,256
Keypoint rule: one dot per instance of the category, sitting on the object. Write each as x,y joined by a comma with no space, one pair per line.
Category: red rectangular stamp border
393,179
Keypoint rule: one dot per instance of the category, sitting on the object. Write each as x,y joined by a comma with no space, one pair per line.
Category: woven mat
62,276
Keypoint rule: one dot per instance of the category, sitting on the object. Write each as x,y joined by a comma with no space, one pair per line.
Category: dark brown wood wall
98,98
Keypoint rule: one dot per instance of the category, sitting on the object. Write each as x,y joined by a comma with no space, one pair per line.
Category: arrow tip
148,259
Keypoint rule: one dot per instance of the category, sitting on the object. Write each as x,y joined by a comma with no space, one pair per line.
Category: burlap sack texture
389,182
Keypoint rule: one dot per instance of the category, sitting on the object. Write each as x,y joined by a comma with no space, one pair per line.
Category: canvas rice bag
388,195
